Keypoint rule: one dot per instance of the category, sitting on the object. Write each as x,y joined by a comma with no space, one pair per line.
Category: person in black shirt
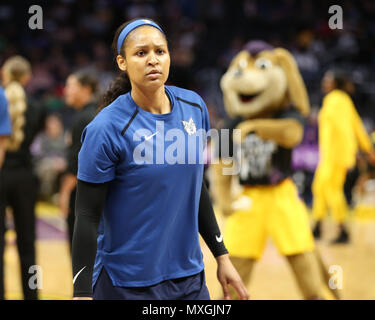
18,181
79,93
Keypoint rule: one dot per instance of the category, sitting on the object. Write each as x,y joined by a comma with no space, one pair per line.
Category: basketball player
79,92
341,134
148,212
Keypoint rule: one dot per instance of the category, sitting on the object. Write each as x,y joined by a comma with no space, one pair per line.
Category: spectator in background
19,184
80,94
49,151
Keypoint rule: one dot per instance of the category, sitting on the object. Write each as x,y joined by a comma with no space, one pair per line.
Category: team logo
189,126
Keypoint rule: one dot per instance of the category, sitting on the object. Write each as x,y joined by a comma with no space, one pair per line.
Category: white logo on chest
189,126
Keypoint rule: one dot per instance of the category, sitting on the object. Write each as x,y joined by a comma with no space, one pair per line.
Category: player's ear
121,62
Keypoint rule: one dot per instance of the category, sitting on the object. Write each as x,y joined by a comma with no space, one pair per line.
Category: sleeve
208,227
205,122
73,151
99,154
73,160
362,136
90,202
206,116
326,125
5,123
41,114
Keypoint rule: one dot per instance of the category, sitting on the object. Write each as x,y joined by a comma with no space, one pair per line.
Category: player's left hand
228,275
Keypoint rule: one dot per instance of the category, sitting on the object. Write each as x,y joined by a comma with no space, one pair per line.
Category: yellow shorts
274,211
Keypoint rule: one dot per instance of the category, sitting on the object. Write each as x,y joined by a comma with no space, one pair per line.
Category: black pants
71,216
18,189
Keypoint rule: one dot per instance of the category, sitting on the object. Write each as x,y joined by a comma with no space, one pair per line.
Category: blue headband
130,27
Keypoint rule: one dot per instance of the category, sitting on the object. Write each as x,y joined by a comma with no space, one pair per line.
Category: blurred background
203,38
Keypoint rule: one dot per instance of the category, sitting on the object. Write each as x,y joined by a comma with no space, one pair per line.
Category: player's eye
160,51
141,53
263,63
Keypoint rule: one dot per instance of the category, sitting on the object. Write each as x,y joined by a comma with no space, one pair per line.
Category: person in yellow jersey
341,134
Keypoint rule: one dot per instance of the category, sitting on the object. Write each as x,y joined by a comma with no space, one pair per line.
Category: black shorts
186,288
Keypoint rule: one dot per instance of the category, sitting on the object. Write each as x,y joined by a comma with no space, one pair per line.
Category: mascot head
261,80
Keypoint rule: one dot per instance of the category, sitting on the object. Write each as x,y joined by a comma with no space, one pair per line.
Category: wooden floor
272,278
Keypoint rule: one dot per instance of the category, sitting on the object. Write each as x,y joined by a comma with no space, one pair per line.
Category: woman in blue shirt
141,200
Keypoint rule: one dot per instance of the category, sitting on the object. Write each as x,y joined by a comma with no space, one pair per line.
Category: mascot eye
262,63
243,63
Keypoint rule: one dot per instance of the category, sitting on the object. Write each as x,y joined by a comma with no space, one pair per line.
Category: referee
79,92
137,224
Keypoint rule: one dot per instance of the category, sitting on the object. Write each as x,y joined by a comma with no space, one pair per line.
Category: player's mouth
245,98
153,72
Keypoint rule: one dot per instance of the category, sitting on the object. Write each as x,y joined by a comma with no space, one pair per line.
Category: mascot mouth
245,98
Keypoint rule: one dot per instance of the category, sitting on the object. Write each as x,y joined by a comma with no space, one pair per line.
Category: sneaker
342,238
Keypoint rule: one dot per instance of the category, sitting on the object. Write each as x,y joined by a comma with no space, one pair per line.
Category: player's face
72,91
147,58
328,82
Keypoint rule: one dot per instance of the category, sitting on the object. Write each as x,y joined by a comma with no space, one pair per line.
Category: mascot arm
222,188
285,132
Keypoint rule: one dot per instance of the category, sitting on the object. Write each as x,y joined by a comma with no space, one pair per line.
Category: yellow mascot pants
275,211
328,192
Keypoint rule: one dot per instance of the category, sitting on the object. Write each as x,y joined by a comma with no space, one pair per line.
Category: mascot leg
244,267
291,233
245,231
325,274
307,274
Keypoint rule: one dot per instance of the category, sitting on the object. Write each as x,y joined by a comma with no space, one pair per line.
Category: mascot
266,99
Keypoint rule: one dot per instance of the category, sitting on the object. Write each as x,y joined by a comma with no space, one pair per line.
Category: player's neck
155,101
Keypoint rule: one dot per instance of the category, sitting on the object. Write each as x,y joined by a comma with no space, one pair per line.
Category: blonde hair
14,70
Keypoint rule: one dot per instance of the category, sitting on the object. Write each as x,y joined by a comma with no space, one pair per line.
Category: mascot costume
266,98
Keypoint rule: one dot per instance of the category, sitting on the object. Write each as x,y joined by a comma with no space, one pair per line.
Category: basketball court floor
271,279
